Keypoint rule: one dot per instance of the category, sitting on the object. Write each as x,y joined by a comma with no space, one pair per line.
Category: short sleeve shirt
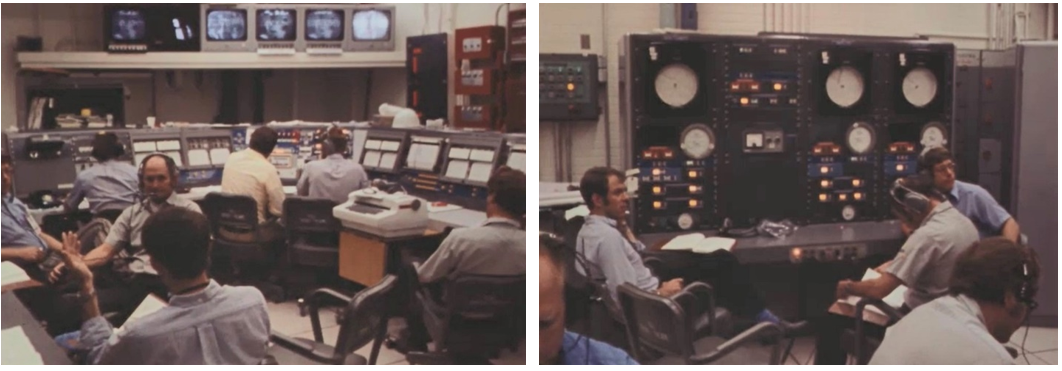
925,261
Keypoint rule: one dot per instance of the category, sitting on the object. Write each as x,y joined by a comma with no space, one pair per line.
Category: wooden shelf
207,60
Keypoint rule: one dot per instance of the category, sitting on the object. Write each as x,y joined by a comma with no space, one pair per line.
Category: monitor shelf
207,60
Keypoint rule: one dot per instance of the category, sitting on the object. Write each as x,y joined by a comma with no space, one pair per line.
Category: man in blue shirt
556,345
22,241
970,199
110,186
333,177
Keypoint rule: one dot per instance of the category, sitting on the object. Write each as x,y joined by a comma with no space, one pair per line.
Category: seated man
249,173
204,323
332,177
612,251
110,186
924,264
22,241
558,346
992,291
970,199
131,276
498,247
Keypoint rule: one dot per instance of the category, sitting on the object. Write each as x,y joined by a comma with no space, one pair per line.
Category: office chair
709,318
478,317
313,242
365,322
590,307
856,342
659,324
234,221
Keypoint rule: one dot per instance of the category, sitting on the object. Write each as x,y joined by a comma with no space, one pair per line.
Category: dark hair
509,187
553,248
595,182
932,158
179,240
264,140
106,147
337,138
993,266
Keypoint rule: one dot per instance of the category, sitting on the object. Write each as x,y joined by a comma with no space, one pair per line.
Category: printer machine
383,214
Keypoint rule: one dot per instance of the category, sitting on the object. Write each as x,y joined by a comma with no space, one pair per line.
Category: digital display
128,25
276,25
226,25
324,25
371,25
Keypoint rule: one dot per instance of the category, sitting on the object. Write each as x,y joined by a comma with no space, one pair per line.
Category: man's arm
441,263
877,288
303,186
27,254
606,254
275,190
76,195
987,211
1011,230
50,241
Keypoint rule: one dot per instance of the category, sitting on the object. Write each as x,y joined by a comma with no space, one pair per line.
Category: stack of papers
700,244
894,299
17,348
13,276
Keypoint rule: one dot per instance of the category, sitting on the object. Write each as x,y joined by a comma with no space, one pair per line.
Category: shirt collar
335,156
601,219
954,194
255,155
941,208
500,220
189,300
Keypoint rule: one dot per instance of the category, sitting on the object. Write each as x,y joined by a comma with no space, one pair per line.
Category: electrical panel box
479,79
479,42
427,68
568,87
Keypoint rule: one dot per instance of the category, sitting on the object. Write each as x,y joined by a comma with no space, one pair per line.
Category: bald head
159,179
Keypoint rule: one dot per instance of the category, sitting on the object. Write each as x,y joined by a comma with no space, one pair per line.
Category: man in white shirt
249,173
992,292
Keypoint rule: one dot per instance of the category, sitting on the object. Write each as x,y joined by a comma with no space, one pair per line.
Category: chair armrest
301,348
758,332
697,298
355,360
893,314
313,301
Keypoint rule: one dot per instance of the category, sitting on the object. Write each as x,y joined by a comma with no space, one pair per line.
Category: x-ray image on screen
128,25
276,24
324,25
227,25
372,25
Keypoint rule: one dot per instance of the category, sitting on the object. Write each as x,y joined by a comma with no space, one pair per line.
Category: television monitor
226,27
128,25
276,24
323,25
372,28
151,27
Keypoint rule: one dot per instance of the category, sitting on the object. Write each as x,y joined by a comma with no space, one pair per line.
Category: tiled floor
285,319
1041,347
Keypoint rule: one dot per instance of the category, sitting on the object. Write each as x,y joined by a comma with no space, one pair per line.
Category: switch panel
764,141
568,87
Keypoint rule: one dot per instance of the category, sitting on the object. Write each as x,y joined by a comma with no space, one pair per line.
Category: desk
15,314
365,258
461,218
848,310
557,195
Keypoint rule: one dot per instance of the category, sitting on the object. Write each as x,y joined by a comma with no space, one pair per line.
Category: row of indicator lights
691,173
739,85
857,196
826,169
746,101
658,190
695,204
826,183
654,154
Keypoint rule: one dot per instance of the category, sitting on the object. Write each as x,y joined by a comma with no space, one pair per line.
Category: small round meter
860,138
933,135
848,212
685,221
844,86
697,141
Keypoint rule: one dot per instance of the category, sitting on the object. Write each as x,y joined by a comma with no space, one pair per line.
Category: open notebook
700,244
894,299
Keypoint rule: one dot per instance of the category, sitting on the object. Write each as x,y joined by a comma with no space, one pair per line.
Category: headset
913,203
1025,294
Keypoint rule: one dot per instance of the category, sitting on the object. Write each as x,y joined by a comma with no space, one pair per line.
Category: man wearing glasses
970,199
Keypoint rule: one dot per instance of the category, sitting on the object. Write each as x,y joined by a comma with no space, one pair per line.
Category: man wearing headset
970,199
132,276
939,234
992,291
110,186
332,177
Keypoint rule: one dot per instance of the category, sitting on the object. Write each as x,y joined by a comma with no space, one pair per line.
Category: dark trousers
828,330
731,280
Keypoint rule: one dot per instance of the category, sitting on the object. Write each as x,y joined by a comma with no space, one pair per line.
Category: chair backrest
655,322
365,316
309,215
481,297
232,212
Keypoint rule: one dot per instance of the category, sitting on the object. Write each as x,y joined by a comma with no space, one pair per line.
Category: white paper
372,144
518,161
176,156
697,243
422,156
482,155
372,159
144,147
480,172
151,304
387,161
169,145
18,350
390,146
218,156
457,169
198,157
459,153
684,242
12,274
894,299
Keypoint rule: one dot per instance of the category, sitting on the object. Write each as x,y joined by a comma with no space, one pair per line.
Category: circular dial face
920,87
685,221
698,141
933,136
676,85
844,86
860,138
848,212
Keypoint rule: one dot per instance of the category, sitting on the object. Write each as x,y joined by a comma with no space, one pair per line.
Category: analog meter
676,85
698,141
920,87
844,86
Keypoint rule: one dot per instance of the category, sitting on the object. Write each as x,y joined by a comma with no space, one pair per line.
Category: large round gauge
676,85
685,221
848,212
860,138
920,87
698,141
844,86
933,135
